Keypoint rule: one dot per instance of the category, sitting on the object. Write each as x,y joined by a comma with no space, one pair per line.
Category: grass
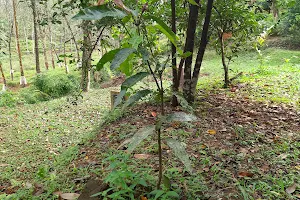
276,80
39,142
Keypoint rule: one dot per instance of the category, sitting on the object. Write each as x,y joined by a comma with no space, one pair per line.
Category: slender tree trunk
26,38
64,50
44,43
73,38
32,35
225,67
189,47
3,77
201,50
9,52
86,58
36,39
50,37
23,82
174,62
275,10
71,46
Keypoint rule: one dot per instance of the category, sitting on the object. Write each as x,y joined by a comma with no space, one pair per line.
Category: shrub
289,25
7,99
31,96
56,84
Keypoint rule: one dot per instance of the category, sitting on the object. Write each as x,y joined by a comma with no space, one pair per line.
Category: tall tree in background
86,56
23,81
36,39
9,51
10,34
72,36
49,28
3,78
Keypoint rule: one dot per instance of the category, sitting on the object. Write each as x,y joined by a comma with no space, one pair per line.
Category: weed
122,180
7,99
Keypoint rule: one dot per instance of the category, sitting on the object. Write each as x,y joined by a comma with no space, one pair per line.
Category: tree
86,60
176,79
191,77
23,81
137,46
36,39
3,78
234,26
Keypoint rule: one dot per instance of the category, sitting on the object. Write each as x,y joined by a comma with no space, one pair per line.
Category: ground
244,145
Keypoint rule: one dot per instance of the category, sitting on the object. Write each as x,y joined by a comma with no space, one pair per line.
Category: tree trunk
23,82
86,58
64,50
174,62
26,38
50,36
9,52
225,67
73,38
45,50
189,47
275,10
3,77
202,47
36,39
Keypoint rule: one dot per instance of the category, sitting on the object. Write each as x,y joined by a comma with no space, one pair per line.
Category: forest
149,99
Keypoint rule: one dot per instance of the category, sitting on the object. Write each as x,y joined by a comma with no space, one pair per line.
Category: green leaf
126,67
131,81
193,2
137,96
157,193
180,153
172,194
139,137
186,54
181,117
119,98
108,57
143,183
120,57
166,30
166,182
99,12
145,54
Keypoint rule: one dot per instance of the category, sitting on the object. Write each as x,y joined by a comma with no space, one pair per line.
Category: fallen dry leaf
265,168
283,156
291,189
142,156
57,193
244,150
154,114
100,2
245,174
3,165
143,198
38,189
211,131
120,4
69,196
